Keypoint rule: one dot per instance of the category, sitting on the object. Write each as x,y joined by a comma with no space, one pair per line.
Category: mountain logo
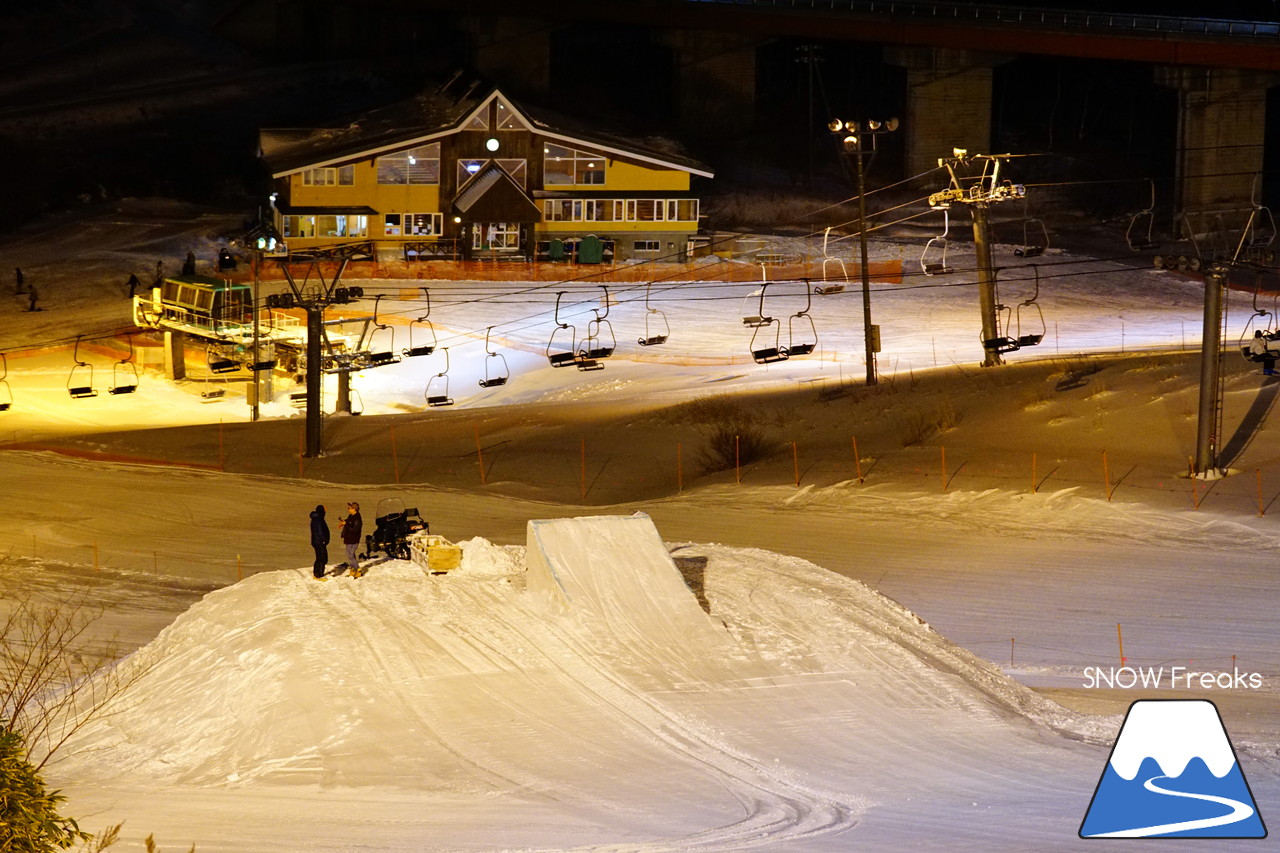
1172,774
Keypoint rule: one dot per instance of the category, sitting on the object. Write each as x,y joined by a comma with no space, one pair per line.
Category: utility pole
978,191
1208,424
852,143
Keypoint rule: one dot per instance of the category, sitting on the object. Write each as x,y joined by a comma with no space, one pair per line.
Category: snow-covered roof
434,114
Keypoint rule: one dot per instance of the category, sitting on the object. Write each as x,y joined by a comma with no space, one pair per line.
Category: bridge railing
1073,19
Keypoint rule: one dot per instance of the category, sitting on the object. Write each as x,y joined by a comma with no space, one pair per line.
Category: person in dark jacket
352,526
319,541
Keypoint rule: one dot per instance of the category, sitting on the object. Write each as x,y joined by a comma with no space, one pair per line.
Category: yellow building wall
616,227
629,176
366,191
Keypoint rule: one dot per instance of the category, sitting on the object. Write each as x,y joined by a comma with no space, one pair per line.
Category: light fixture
835,125
473,167
891,125
413,161
491,143
457,220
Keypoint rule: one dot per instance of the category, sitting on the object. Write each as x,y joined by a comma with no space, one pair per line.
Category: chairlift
6,394
421,347
1258,234
382,356
124,373
1030,339
561,356
807,346
496,378
1035,237
593,346
653,338
80,380
830,286
218,360
933,260
759,318
1138,234
1256,324
764,353
437,391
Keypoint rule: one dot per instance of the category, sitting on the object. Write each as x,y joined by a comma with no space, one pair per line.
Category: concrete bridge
1220,69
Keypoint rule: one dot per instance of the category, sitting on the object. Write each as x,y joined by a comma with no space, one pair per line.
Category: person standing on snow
319,541
352,526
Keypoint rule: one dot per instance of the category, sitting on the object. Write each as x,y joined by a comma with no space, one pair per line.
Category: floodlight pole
256,381
1209,416
870,333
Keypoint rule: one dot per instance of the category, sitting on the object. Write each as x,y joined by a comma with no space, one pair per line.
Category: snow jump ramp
617,567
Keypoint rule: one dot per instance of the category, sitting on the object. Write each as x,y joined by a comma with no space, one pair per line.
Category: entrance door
496,236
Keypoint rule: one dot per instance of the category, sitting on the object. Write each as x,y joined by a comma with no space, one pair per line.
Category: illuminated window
299,226
561,165
342,176
507,118
419,165
468,168
413,224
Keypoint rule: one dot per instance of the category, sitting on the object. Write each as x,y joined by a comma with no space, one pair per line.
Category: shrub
728,446
29,819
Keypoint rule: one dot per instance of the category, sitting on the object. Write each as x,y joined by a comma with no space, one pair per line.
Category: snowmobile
394,524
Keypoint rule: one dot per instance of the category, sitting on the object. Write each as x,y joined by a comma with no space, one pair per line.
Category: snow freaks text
1174,677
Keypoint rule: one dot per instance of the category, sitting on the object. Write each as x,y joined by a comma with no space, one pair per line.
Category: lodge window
517,169
561,165
507,119
413,224
467,168
342,176
648,246
328,225
419,165
496,235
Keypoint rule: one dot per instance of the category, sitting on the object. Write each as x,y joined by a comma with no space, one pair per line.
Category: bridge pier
715,78
1221,133
948,102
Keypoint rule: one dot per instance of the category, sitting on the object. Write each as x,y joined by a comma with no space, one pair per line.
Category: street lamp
852,142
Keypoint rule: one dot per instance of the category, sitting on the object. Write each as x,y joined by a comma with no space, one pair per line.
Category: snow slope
804,712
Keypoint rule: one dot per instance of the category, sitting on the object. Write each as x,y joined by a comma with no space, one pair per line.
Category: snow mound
730,675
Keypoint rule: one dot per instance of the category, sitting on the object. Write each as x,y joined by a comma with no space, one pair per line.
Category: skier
319,541
134,284
1259,352
32,298
352,526
189,265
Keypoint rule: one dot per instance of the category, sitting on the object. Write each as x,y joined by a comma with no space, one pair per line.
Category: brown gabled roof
438,113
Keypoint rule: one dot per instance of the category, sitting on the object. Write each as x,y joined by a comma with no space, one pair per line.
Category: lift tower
976,183
314,298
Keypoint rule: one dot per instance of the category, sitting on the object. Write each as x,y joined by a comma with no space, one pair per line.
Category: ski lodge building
465,173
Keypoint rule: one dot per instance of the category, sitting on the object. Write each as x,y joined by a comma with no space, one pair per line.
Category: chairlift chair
764,353
496,378
807,346
1255,324
383,355
218,361
421,347
1258,234
80,380
759,318
124,374
830,286
561,356
933,260
593,345
653,338
1138,234
437,390
6,394
1030,339
1035,238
